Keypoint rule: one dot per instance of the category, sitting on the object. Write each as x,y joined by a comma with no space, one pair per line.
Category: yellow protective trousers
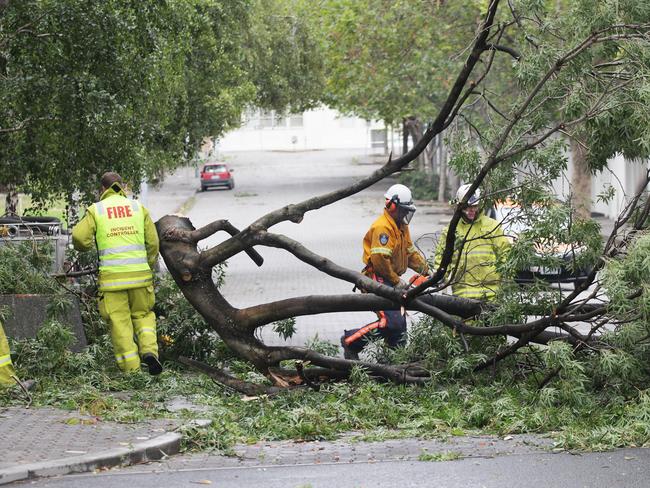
6,367
133,324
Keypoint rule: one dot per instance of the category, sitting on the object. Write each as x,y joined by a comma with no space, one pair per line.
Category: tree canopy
136,86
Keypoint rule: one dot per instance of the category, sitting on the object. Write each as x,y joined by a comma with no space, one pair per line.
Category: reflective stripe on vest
114,250
121,244
5,360
119,262
116,284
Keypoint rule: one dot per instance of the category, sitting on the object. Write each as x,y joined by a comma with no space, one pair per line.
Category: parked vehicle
554,261
216,175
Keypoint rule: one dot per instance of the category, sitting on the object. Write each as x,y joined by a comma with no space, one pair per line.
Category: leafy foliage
155,79
424,186
285,328
181,330
136,87
24,268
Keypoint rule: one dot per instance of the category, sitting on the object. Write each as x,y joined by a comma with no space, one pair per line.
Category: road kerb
151,450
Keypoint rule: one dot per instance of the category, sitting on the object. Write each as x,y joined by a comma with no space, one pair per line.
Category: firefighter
387,252
7,373
482,244
8,376
127,244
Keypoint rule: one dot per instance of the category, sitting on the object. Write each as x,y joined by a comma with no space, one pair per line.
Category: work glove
417,280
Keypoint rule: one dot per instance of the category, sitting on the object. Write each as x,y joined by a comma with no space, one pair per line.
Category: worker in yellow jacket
387,252
7,373
8,376
127,244
480,245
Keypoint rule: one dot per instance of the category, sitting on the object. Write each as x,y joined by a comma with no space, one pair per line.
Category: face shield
405,213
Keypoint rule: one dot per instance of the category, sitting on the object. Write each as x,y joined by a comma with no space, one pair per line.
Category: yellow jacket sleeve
83,234
150,239
382,243
501,245
382,266
440,248
415,260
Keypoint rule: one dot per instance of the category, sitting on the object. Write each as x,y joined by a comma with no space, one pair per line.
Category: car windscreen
219,168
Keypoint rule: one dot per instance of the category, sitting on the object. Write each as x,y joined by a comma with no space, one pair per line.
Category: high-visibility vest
476,274
121,244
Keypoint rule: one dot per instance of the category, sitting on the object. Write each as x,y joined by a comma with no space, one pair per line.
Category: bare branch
20,126
512,52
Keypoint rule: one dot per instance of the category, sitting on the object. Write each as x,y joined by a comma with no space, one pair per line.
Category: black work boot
347,352
155,368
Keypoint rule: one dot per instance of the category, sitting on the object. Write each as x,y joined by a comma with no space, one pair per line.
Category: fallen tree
523,138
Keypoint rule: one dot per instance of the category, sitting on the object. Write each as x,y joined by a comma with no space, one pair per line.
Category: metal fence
39,230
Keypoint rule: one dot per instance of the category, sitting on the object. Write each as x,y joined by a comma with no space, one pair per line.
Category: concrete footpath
47,442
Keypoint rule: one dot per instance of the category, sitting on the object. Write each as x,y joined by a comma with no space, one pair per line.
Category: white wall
625,176
323,128
622,174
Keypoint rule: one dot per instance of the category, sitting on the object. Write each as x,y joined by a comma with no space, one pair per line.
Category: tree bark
415,129
442,182
11,200
580,180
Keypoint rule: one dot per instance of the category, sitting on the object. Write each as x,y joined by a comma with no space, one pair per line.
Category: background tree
394,61
135,86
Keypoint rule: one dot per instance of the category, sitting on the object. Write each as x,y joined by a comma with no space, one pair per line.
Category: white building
322,128
624,176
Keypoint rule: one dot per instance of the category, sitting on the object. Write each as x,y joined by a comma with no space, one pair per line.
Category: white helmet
473,200
401,196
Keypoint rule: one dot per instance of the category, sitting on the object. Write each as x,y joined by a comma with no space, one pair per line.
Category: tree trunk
580,180
11,200
72,208
415,129
442,182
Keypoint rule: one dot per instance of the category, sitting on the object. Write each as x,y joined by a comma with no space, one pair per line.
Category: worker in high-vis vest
7,373
8,376
479,245
387,252
127,244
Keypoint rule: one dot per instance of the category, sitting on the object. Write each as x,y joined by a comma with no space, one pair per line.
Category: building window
378,138
263,119
266,119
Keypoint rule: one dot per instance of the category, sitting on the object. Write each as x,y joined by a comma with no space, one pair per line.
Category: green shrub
25,268
182,331
424,186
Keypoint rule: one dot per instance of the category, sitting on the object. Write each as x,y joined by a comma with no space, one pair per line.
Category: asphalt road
620,469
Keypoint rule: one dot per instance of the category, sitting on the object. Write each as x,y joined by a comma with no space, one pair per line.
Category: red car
217,174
